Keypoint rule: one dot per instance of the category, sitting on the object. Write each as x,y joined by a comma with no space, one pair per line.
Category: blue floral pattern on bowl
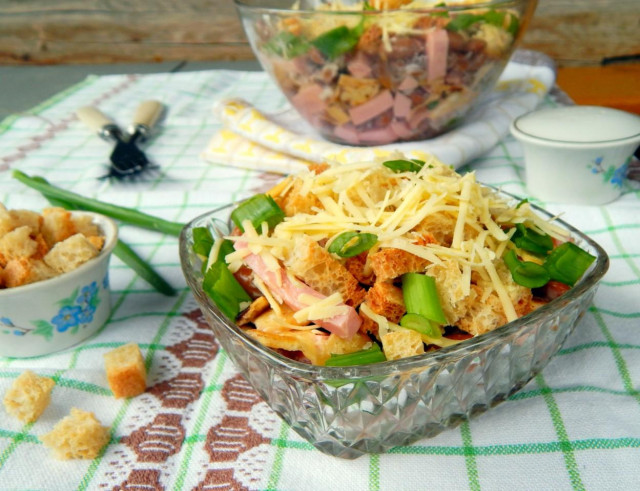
610,174
75,312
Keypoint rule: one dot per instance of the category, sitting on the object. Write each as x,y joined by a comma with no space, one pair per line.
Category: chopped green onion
522,202
127,215
567,263
202,241
462,21
514,25
421,324
257,209
526,273
367,6
350,244
401,165
531,241
338,41
421,297
442,13
362,357
223,288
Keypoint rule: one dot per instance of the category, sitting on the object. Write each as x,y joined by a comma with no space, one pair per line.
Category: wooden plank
573,32
616,86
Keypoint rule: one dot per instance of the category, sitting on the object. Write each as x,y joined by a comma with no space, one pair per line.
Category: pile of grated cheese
369,197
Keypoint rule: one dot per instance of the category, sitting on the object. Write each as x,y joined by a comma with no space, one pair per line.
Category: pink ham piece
401,129
379,136
343,325
348,133
308,100
437,51
358,67
401,106
372,108
408,84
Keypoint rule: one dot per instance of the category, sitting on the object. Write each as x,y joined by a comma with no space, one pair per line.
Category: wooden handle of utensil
93,118
148,113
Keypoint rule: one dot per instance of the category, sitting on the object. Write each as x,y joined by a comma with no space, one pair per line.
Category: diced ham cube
379,136
401,106
372,108
359,67
408,84
348,133
401,129
308,100
437,50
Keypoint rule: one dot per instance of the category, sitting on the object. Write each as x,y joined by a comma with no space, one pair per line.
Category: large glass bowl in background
377,77
348,411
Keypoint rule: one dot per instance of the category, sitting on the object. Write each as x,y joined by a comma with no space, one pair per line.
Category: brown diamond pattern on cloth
180,391
220,479
196,351
141,480
231,437
239,394
197,316
158,441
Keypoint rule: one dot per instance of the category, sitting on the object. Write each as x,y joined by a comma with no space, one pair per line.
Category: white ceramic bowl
48,316
577,154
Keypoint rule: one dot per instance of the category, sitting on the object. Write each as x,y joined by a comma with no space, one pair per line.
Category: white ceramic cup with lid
577,154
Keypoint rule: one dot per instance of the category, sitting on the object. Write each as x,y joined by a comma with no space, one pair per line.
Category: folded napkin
283,142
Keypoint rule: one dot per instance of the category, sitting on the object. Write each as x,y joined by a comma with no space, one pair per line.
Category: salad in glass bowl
383,71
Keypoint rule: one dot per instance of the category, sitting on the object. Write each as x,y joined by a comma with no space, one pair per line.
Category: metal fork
127,160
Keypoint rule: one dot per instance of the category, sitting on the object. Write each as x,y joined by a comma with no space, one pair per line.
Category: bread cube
77,436
70,253
125,369
28,396
402,344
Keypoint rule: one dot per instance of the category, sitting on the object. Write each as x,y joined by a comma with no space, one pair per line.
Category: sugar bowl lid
577,124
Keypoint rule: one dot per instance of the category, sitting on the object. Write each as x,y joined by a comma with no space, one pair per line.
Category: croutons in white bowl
55,311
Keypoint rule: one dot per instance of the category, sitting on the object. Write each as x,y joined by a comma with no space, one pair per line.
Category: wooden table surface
616,85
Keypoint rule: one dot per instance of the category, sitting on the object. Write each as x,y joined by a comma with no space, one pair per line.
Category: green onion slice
526,273
401,165
421,297
349,244
223,288
362,357
202,241
421,324
567,263
287,45
258,209
531,241
338,41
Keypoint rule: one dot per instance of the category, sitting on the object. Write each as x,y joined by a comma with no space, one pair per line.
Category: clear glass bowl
377,77
349,411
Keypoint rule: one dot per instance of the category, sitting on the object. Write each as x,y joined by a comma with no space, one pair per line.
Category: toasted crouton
318,269
402,344
257,307
77,436
21,271
294,202
357,266
439,225
18,244
390,263
28,396
70,253
125,370
311,344
386,299
28,218
57,225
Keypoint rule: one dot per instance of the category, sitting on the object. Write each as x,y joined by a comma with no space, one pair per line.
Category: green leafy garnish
465,21
421,297
531,241
526,273
287,45
442,13
567,263
401,165
339,40
362,357
350,244
257,209
202,241
223,288
522,202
